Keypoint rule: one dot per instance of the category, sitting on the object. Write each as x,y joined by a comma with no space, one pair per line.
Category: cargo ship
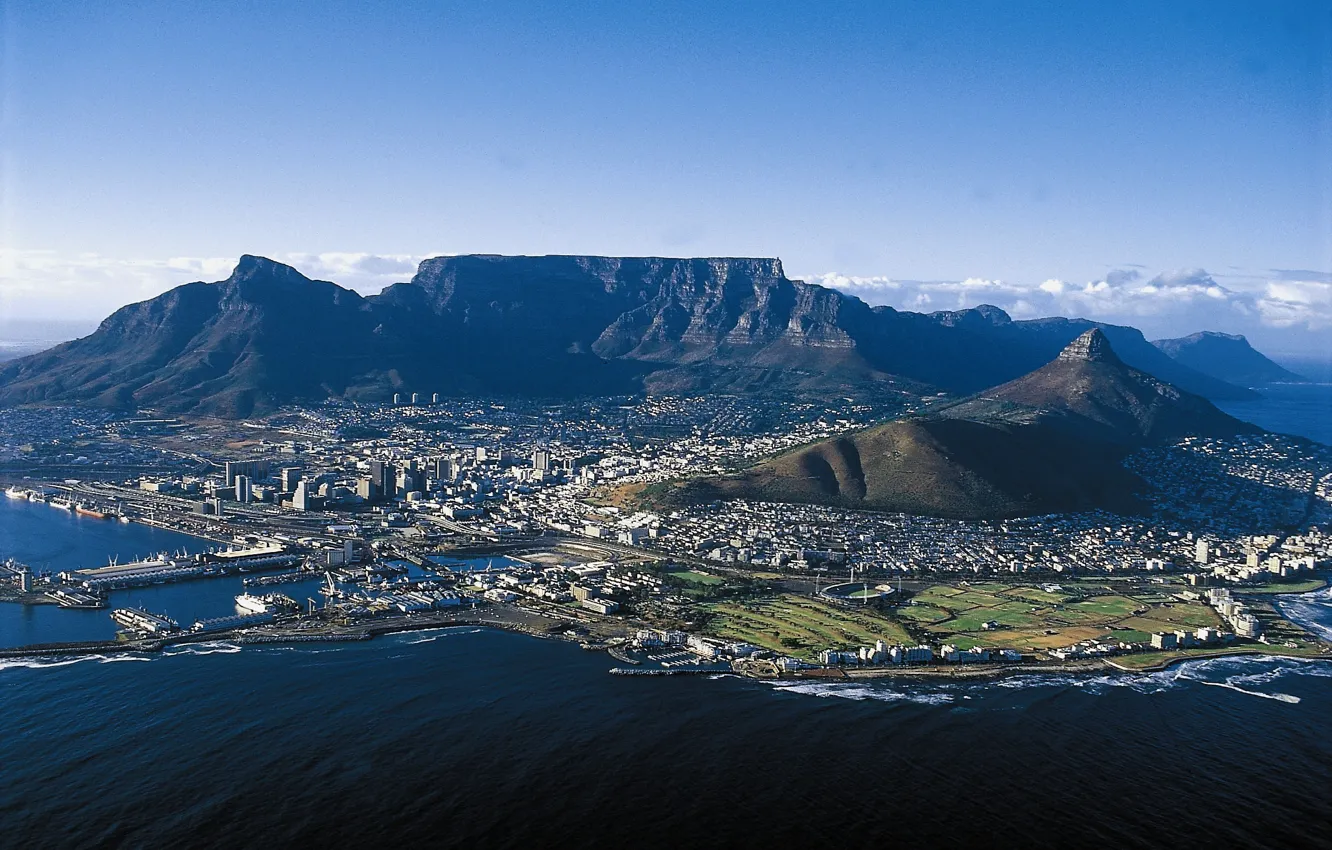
63,504
16,493
84,510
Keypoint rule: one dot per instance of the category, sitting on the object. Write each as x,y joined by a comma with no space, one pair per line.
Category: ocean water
1303,410
479,738
476,738
51,539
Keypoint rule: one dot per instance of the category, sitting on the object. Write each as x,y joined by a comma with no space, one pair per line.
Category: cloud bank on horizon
85,288
1287,311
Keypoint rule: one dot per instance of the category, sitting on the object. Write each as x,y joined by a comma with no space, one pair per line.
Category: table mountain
552,326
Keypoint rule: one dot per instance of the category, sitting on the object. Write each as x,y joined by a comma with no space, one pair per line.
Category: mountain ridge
1215,354
548,326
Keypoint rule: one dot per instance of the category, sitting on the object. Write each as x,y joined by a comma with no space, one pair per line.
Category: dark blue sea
1303,410
478,738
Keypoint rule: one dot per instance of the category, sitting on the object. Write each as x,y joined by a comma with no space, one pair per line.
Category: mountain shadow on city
541,327
1051,441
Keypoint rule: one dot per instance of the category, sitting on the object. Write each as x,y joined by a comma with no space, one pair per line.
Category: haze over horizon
1163,167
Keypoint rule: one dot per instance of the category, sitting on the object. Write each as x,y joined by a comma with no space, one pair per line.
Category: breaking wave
1251,675
435,634
869,691
1313,611
207,648
49,662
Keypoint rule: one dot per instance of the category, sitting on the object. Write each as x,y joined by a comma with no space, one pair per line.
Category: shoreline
374,630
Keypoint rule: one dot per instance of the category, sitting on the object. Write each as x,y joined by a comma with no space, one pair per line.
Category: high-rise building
291,476
444,469
434,398
255,470
397,399
406,483
1201,553
416,398
302,498
541,460
243,492
384,475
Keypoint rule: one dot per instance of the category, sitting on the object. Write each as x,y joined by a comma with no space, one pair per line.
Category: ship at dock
16,493
90,511
247,603
144,622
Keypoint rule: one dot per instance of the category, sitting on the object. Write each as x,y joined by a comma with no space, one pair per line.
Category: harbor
52,541
183,594
196,590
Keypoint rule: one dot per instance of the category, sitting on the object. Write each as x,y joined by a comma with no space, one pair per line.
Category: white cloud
45,284
1291,303
918,294
864,286
358,270
1167,304
208,268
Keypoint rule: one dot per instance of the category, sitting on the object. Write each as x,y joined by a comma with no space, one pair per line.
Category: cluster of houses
1181,639
591,585
881,653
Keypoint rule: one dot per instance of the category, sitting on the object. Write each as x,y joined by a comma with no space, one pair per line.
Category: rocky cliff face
1090,347
541,326
647,308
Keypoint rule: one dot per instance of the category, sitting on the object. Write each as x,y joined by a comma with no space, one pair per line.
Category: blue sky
1163,164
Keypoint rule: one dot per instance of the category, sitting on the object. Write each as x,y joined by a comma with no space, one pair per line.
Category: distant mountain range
1225,356
1050,441
554,326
